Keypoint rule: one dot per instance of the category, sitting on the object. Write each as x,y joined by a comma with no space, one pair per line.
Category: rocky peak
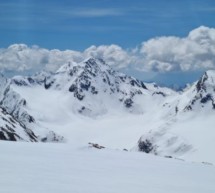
36,79
95,63
203,92
200,86
93,79
206,81
4,86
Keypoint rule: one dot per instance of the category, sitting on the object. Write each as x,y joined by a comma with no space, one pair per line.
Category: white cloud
196,51
113,54
161,54
20,57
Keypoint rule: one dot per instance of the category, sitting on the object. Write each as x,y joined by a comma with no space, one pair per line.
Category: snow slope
115,129
39,167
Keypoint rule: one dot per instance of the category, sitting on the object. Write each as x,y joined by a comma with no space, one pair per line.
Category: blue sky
72,24
76,25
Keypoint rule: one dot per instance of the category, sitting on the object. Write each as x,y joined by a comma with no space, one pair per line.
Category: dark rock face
159,93
128,103
79,95
19,83
145,146
11,136
143,85
10,125
188,108
85,84
93,90
176,110
47,84
73,88
207,98
31,80
95,145
138,83
73,71
201,83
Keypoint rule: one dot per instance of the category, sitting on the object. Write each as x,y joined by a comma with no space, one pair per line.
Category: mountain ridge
92,91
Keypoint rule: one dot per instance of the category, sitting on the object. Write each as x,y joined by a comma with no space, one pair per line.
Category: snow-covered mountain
16,122
189,132
90,102
202,93
96,87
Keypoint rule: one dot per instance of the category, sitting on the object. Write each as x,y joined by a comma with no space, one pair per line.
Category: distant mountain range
90,102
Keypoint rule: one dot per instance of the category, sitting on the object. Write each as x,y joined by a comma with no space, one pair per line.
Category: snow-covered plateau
86,106
54,168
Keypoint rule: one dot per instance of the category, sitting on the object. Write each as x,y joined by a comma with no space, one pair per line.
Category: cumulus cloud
20,57
161,54
196,51
113,54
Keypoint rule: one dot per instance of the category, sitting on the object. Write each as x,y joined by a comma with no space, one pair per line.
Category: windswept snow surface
116,129
60,168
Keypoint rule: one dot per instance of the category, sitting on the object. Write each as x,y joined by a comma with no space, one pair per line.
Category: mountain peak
202,92
211,75
66,67
95,60
207,80
93,82
87,63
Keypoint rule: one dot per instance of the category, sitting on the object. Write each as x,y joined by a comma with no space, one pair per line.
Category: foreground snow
54,168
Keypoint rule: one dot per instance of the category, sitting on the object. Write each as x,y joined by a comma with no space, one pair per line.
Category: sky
130,25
